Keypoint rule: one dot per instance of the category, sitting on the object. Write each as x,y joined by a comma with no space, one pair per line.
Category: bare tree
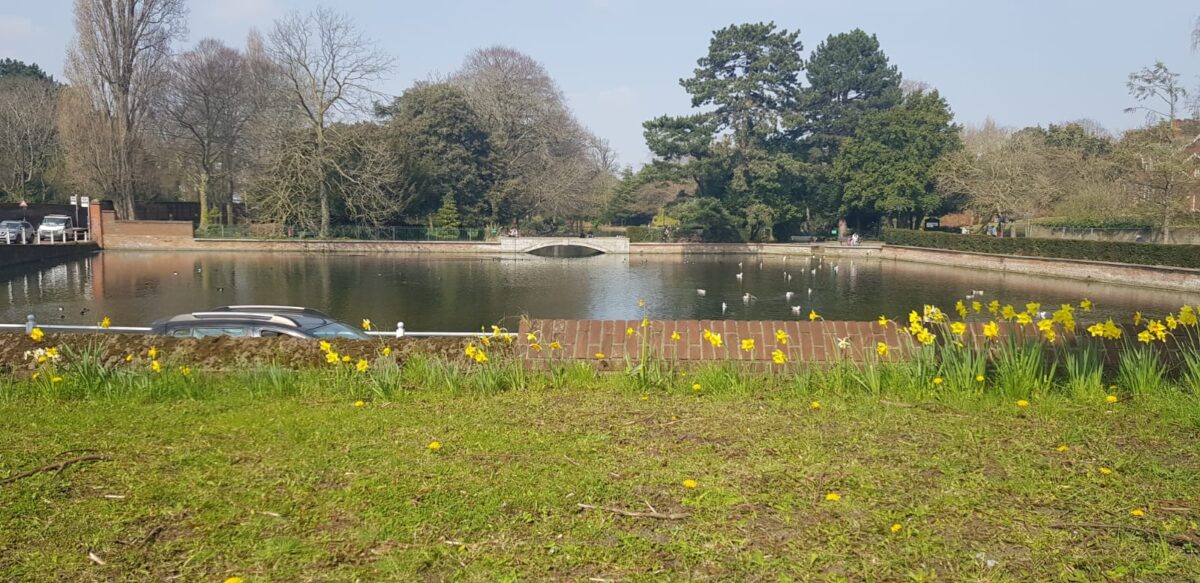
207,106
28,139
1157,84
547,162
1162,173
118,60
327,70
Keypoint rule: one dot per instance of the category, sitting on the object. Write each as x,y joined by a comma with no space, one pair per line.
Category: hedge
1136,253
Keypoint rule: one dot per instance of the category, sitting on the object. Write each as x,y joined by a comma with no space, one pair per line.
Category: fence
356,233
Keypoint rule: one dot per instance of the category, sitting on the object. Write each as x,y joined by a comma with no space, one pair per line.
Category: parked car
257,322
56,227
17,232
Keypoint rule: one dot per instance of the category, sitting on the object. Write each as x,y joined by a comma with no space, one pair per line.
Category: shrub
1137,253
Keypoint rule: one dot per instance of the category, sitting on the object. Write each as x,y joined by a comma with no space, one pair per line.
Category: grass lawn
311,487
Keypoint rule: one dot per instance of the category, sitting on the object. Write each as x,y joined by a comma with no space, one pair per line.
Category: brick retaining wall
19,254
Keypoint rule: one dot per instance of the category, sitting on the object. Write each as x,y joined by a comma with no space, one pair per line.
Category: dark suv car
255,322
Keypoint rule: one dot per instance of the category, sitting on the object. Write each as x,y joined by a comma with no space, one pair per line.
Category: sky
618,62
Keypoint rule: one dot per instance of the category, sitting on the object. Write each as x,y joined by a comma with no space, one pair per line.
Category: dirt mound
220,353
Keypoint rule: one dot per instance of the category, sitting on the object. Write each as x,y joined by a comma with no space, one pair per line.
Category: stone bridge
551,245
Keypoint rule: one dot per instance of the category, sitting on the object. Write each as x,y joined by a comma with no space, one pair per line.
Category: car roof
56,217
271,309
217,318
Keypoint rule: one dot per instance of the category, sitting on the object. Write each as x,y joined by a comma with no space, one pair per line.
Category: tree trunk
202,196
1166,226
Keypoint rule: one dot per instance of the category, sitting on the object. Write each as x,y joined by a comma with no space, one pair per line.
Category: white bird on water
723,308
746,297
789,277
788,295
810,291
796,310
739,276
701,292
814,272
835,268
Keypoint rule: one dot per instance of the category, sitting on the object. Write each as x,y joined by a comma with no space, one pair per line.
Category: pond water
461,293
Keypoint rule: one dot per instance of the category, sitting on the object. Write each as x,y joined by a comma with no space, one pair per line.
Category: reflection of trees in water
462,292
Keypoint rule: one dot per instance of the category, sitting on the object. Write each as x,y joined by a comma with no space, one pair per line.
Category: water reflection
441,292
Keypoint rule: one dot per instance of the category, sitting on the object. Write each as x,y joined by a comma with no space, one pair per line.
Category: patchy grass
302,485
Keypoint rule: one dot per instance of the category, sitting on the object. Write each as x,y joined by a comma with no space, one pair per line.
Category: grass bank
284,475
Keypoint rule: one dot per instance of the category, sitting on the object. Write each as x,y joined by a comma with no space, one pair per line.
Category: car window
336,330
10,224
205,332
181,332
269,333
54,222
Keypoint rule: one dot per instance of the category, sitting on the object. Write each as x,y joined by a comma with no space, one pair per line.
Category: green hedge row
1137,253
1093,223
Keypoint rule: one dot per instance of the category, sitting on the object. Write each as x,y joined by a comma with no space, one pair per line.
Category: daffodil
346,358
1145,336
325,346
1024,318
387,351
629,331
535,347
1008,313
36,334
675,337
152,353
555,345
1050,335
994,307
1137,318
748,344
331,357
362,365
881,348
366,324
960,308
1044,325
185,371
813,316
105,322
531,336
1187,316
471,349
599,356
716,340
778,357
1032,307
1085,305
641,303
925,337
883,321
958,328
155,366
645,322
689,483
781,337
976,306
480,357
991,330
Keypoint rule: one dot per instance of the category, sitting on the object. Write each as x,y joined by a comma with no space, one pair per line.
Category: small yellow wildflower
881,349
645,397
1137,512
36,334
185,371
1111,399
234,580
645,322
1022,403
434,445
690,483
897,526
35,376
814,405
359,403
105,322
55,379
366,324
629,331
979,378
937,380
695,386
362,365
555,345
813,316
599,356
387,351
346,358
128,358
1137,318
641,303
748,344
778,357
154,366
1063,447
152,353
1106,471
675,336
833,497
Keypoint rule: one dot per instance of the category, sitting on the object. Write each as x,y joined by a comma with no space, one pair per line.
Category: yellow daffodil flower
362,365
1085,305
778,357
675,336
748,344
105,322
36,334
881,349
958,328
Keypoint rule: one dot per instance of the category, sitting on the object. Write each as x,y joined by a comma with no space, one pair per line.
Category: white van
55,228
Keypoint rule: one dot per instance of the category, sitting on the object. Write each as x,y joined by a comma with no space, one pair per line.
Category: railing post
399,329
29,324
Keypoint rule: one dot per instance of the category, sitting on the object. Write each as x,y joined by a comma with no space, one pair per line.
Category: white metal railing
399,332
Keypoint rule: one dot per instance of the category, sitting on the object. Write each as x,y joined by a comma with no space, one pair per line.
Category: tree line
294,124
778,143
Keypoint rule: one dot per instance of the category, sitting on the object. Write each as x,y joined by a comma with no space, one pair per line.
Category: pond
462,292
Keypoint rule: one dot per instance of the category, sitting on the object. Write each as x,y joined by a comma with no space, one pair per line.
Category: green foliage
1094,223
887,168
710,217
444,150
619,207
1141,371
849,79
1135,253
14,68
447,215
